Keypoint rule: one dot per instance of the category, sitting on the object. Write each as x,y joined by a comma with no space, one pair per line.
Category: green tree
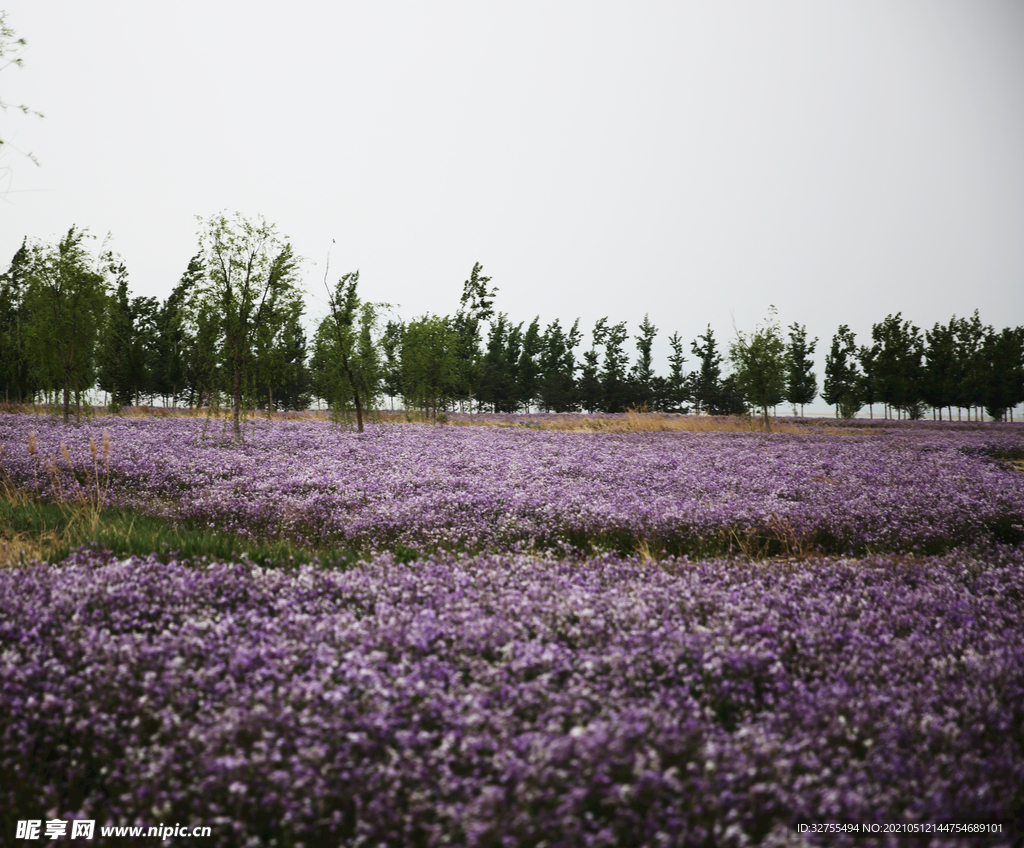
127,353
706,383
557,391
842,376
801,381
15,356
677,392
1004,356
251,282
500,365
391,365
280,357
529,369
970,341
941,367
613,372
590,387
66,303
174,339
346,356
642,374
898,349
760,366
295,384
867,382
430,363
475,307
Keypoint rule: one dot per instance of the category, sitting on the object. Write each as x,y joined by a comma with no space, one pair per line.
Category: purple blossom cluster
515,700
927,489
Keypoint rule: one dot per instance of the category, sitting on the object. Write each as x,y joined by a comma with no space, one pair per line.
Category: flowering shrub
924,489
513,700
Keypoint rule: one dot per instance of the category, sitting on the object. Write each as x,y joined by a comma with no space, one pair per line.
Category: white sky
694,160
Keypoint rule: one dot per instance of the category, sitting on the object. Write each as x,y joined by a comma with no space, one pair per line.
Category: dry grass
74,512
633,421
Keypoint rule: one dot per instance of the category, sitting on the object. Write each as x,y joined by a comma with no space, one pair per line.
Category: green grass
32,530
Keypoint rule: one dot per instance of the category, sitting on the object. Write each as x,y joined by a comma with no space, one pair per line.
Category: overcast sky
697,161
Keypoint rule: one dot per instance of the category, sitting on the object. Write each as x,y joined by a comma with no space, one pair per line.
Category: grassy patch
50,531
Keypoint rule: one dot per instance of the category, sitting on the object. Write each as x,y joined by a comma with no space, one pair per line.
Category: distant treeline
230,332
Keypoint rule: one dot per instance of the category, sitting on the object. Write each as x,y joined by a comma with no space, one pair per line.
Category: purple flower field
532,678
476,489
514,700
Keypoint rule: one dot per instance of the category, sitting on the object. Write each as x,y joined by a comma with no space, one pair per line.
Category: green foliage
842,375
941,366
51,531
896,370
16,378
677,392
475,306
760,365
613,372
801,381
642,374
529,370
430,364
128,351
970,340
65,304
251,289
706,383
1004,358
346,363
557,389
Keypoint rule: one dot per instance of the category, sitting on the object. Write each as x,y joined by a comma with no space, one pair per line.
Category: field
620,634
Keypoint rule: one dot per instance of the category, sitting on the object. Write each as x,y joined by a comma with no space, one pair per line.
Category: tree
590,388
250,284
897,374
500,365
970,339
801,381
842,377
391,367
1004,356
430,363
15,357
127,353
706,382
294,384
941,367
643,370
528,372
760,366
175,341
558,368
613,373
11,48
345,356
867,382
475,306
677,393
66,301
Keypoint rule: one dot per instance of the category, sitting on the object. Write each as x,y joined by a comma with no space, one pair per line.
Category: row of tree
962,364
231,330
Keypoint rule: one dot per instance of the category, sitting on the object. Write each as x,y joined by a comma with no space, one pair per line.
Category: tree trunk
67,400
359,409
236,410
